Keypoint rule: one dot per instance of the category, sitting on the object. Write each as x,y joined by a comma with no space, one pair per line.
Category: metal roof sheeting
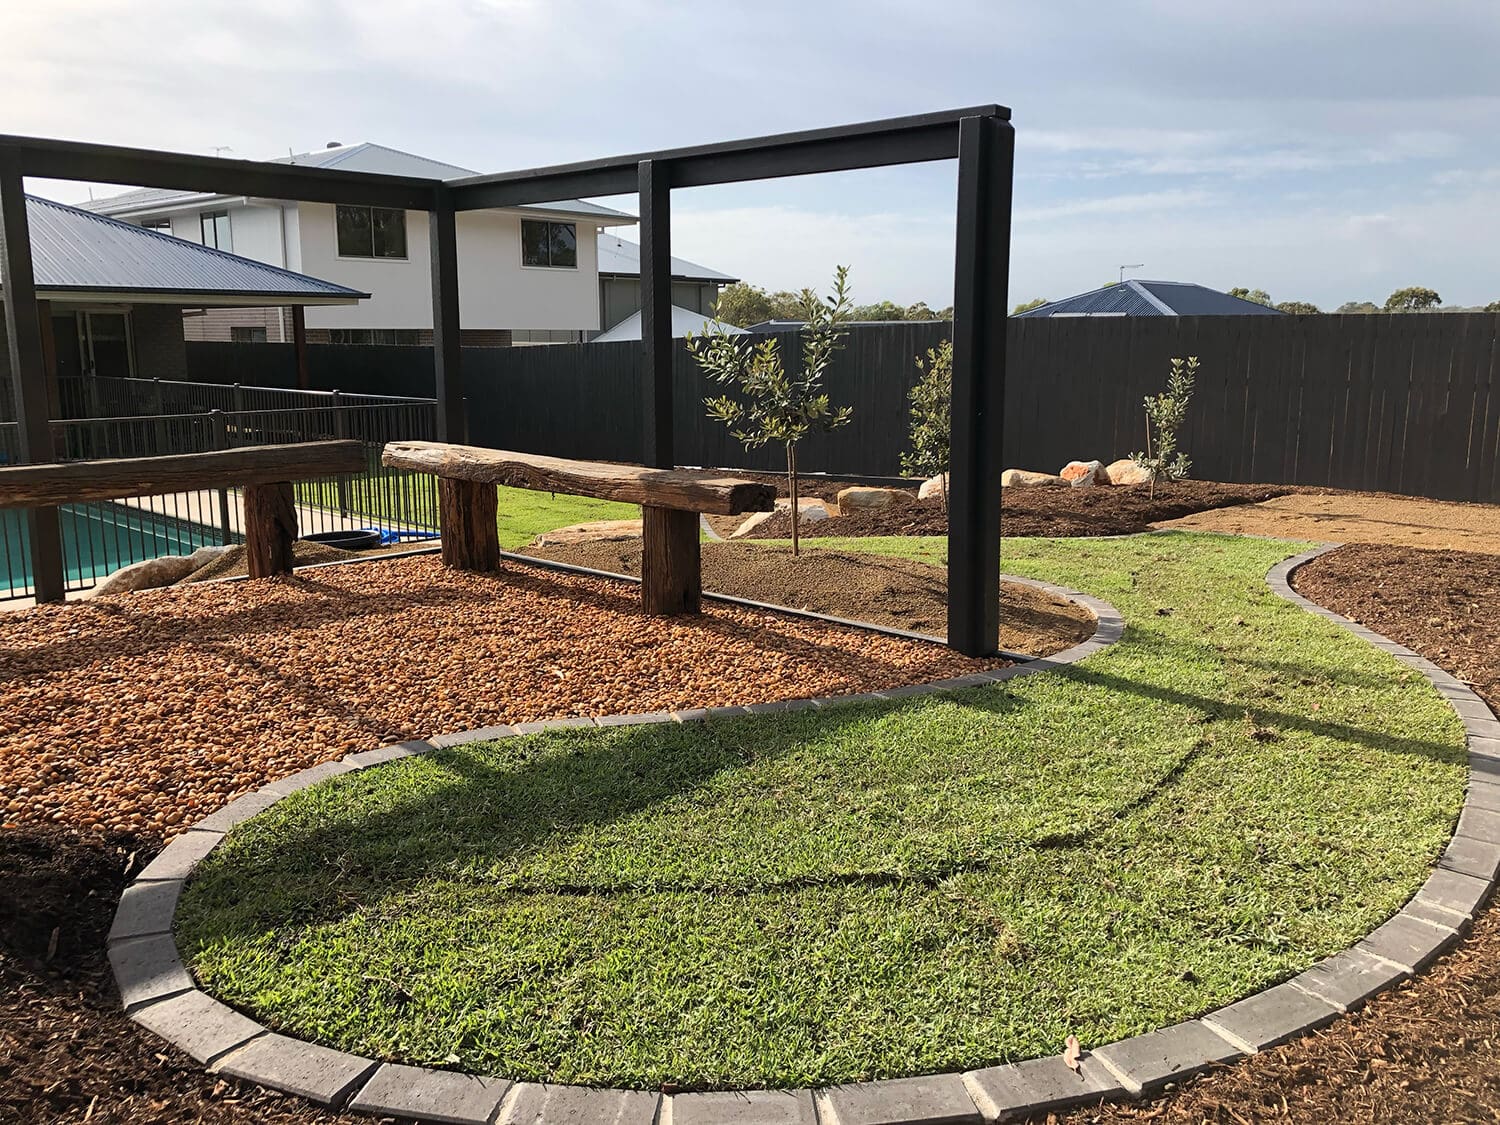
683,322
618,256
1152,298
74,250
364,157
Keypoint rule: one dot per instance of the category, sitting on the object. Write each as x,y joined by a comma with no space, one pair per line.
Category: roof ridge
1139,286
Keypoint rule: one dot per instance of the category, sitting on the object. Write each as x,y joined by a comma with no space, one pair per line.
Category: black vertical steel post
447,356
986,152
29,376
657,342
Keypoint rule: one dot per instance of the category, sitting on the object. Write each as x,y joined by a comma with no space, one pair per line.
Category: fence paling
1392,402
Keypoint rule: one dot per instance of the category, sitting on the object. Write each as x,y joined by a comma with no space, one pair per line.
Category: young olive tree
1164,415
931,417
774,405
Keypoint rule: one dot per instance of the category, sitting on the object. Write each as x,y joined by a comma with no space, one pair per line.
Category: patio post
657,341
299,345
447,357
986,150
28,369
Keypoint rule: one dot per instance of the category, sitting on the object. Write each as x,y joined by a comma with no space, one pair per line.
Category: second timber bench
671,501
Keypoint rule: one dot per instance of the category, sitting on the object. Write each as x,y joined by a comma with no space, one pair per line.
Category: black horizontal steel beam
900,140
75,160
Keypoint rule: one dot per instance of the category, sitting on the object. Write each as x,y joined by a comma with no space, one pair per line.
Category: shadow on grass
339,847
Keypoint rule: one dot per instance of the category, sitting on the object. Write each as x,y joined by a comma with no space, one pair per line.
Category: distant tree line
743,304
1413,298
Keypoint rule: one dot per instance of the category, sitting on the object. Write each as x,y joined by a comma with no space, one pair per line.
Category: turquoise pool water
97,539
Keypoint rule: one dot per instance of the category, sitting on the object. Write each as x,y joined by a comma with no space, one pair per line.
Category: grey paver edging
160,995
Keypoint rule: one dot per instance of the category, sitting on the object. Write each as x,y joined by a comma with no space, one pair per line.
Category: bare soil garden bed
899,593
1062,512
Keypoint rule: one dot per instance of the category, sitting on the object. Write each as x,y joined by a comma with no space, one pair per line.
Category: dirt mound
1061,512
894,592
231,564
1360,517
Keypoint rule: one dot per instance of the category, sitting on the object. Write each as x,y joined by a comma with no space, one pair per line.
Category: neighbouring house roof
364,157
621,258
1152,298
76,253
683,322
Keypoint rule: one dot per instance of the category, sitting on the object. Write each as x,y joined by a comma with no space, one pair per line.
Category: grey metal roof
365,157
1152,298
683,322
618,256
76,251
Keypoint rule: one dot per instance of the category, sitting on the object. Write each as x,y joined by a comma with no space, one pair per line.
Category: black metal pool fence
161,417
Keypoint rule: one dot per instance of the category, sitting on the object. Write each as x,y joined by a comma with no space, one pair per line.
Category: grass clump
1234,791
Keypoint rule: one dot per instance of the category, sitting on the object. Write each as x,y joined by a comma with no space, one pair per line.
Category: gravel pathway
144,713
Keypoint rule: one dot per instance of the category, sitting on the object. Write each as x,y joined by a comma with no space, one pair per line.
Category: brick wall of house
160,352
412,337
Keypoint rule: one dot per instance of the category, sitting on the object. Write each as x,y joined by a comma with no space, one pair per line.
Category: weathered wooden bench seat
671,501
265,472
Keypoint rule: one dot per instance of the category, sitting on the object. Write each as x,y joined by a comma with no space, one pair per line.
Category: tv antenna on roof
220,150
1128,266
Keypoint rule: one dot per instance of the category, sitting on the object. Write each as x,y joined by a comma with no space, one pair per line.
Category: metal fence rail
99,538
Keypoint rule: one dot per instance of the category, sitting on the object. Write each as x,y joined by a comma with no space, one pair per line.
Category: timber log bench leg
670,499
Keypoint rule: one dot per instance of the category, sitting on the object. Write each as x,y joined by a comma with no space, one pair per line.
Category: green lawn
411,498
1234,791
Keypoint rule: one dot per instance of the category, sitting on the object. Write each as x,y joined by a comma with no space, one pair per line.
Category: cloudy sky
1323,150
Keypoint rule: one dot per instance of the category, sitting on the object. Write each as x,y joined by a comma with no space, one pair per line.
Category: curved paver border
159,994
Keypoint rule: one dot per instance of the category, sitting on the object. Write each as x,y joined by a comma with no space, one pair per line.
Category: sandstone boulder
152,574
1126,471
933,488
811,508
870,499
1024,478
599,531
1085,474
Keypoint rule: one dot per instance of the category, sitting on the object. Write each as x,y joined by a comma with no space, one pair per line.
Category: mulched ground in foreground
898,593
1426,1052
1062,512
1429,1051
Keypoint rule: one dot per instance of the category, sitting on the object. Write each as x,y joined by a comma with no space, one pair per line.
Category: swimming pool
97,539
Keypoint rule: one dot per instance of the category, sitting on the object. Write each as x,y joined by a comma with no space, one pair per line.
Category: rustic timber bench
265,472
671,501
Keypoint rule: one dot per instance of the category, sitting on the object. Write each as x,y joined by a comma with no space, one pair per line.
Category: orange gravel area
1358,517
144,713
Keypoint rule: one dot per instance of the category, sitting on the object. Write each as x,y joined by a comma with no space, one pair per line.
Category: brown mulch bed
143,713
1429,1051
1061,512
898,593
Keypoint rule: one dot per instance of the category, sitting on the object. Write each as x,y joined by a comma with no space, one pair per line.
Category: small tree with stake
776,406
1164,415
932,417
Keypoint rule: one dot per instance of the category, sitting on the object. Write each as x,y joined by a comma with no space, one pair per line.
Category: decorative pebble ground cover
909,887
142,714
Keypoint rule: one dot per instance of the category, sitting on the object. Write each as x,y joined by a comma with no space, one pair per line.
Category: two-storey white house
526,274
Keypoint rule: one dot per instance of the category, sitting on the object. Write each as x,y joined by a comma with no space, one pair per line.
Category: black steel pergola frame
980,138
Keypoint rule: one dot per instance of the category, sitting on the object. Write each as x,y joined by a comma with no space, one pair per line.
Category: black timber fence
1401,403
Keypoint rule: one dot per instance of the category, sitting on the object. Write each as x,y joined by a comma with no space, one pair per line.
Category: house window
160,226
549,245
215,228
370,232
247,334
